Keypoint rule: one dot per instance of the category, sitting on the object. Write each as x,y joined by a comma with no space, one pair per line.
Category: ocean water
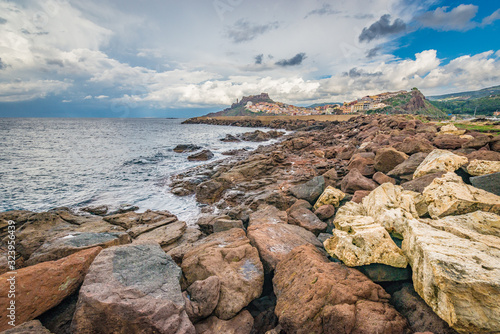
47,163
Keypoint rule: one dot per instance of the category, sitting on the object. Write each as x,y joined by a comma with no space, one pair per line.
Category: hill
482,102
485,92
239,108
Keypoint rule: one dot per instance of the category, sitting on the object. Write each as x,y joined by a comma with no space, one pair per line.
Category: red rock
388,158
449,142
240,324
478,142
359,195
355,181
413,145
484,155
495,144
43,286
325,211
201,298
307,219
380,178
315,295
30,327
420,183
363,165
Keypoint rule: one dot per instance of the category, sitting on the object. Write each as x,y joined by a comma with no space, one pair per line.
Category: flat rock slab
275,241
43,286
315,295
59,247
149,226
267,214
230,256
490,183
307,219
310,190
132,289
164,235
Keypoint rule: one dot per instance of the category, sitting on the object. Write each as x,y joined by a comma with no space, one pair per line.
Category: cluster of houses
369,102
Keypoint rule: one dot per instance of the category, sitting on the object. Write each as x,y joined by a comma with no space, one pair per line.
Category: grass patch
492,129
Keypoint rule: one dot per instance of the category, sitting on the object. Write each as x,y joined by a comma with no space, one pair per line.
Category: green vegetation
485,105
495,130
495,90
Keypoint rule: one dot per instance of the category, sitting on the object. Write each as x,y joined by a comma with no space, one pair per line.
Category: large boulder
354,181
405,170
229,256
310,190
483,167
440,161
388,158
412,145
240,324
489,182
420,183
201,298
451,129
201,156
315,295
132,289
449,195
307,219
455,276
331,196
164,235
41,287
275,241
267,214
448,141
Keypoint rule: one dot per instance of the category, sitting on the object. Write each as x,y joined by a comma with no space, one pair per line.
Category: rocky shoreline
379,224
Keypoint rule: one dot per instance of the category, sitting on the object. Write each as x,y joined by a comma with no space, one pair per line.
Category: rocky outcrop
132,289
229,256
315,295
41,287
439,161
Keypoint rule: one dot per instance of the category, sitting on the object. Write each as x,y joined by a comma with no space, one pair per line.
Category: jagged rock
331,196
451,130
201,298
406,169
240,324
186,148
315,295
307,219
268,214
381,178
355,181
440,161
201,156
325,211
457,277
229,256
331,177
275,241
419,184
132,289
489,182
164,235
363,165
221,225
449,195
41,287
30,327
310,190
65,245
388,158
419,314
483,167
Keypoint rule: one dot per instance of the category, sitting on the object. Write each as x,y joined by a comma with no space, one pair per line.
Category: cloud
373,52
355,73
100,97
326,9
459,18
382,28
2,20
258,59
88,97
492,18
2,65
28,90
244,31
295,60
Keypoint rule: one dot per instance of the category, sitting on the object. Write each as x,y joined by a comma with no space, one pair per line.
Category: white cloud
100,97
28,90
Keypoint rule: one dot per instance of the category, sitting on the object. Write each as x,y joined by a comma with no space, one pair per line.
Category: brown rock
412,145
420,183
306,219
41,287
275,241
449,142
164,235
241,324
484,155
477,142
181,246
495,144
30,327
268,214
406,169
229,256
201,156
381,178
363,165
359,195
355,181
388,158
325,211
315,295
330,177
210,191
201,298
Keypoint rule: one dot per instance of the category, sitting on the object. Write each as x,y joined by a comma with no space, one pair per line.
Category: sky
165,58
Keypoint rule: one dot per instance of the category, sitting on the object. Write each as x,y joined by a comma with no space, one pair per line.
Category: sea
77,162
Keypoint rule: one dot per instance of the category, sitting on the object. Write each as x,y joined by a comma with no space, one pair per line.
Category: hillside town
364,104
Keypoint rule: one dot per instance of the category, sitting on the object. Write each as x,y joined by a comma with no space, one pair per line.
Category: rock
484,155
325,211
383,273
477,142
268,214
206,222
300,204
230,138
124,208
388,158
229,256
180,247
100,210
201,298
164,235
262,311
65,245
406,169
331,177
381,178
149,225
201,156
414,145
451,130
355,181
419,314
256,136
309,191
483,167
490,183
126,220
448,142
186,148
363,165
132,289
359,195
241,324
306,219
331,196
275,241
449,195
221,225
315,295
210,191
41,287
456,277
298,143
278,156
439,161
30,327
419,184
495,144
58,319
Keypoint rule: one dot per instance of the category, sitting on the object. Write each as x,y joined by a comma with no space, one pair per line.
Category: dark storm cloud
295,60
326,9
258,59
244,31
382,28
